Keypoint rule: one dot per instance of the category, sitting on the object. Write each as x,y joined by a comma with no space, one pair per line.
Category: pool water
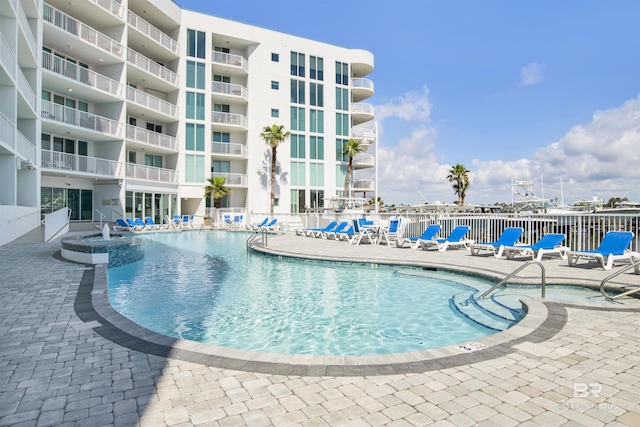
203,286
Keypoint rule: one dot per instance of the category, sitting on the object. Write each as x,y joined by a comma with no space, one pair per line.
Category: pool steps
489,313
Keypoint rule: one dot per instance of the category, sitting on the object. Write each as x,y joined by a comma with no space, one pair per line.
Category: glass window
342,73
194,168
316,121
275,85
297,64
317,199
342,99
297,118
316,147
190,137
191,105
297,91
275,112
196,44
195,74
297,143
46,141
132,157
221,137
275,57
316,68
200,106
316,94
199,137
316,174
339,147
298,174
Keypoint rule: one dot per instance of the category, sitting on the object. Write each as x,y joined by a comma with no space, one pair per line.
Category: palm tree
216,189
273,135
372,202
350,149
458,174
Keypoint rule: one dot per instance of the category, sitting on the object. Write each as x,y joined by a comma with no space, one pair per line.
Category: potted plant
215,189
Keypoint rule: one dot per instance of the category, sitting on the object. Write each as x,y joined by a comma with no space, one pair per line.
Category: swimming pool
205,287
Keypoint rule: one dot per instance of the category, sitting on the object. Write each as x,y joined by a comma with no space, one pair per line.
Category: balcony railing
80,30
362,83
152,138
79,118
7,57
364,159
230,59
229,148
363,185
152,67
25,148
26,89
152,102
366,131
84,164
230,89
152,32
26,29
362,108
7,131
80,74
110,5
150,173
231,119
235,179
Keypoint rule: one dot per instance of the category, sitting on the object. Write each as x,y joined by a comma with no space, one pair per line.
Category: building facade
125,108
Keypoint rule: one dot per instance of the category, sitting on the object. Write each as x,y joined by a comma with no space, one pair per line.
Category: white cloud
531,74
410,106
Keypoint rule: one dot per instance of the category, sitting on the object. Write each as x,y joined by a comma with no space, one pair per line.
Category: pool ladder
543,281
636,266
258,234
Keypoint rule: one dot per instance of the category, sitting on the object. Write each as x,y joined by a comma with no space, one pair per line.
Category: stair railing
636,266
516,271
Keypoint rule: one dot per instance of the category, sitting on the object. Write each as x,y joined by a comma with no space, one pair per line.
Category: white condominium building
125,108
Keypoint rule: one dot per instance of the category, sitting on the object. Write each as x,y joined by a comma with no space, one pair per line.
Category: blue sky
544,90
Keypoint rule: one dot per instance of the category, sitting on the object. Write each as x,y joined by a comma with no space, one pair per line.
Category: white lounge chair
509,237
427,235
613,247
455,240
549,244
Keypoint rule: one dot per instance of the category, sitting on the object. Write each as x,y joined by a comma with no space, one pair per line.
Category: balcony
152,103
74,163
7,58
365,133
229,119
145,64
80,75
233,179
229,90
234,64
26,90
361,112
110,6
7,132
363,185
81,31
82,119
153,33
228,149
150,173
363,161
152,139
361,89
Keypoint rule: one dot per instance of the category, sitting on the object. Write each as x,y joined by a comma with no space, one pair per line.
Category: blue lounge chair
142,224
613,247
455,240
333,234
270,226
415,242
509,237
122,225
391,233
345,235
187,221
317,232
132,225
549,244
151,223
361,233
258,225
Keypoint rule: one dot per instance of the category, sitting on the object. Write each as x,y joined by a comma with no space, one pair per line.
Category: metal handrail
635,265
259,233
517,270
101,216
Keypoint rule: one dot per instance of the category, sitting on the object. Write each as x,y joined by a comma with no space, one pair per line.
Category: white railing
232,119
152,102
231,59
25,148
230,89
152,138
26,29
364,159
56,223
26,89
362,83
152,32
80,74
366,131
229,148
362,108
79,118
82,31
152,67
7,57
7,133
235,179
150,173
83,164
111,6
363,184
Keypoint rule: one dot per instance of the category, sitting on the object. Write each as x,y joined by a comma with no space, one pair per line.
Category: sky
546,91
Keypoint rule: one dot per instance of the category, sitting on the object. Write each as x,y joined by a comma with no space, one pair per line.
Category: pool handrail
516,271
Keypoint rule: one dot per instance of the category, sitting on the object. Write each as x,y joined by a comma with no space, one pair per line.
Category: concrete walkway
63,361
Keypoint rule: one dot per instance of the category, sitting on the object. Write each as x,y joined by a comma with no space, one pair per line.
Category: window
297,146
317,199
297,64
275,112
316,147
341,175
298,174
132,157
342,99
154,127
221,137
316,174
194,137
298,201
221,108
275,57
195,106
196,44
297,119
316,121
195,74
297,91
221,167
316,68
342,124
194,168
151,160
339,147
342,73
316,94
275,85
